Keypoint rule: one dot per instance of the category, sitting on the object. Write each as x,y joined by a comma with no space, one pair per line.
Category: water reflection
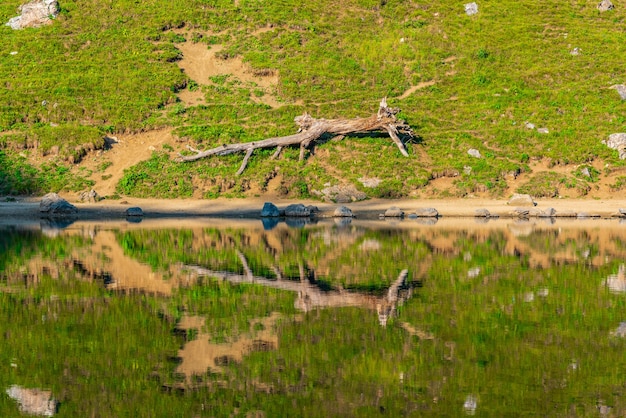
617,282
403,318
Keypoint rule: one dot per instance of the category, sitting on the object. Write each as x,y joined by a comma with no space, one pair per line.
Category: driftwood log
311,129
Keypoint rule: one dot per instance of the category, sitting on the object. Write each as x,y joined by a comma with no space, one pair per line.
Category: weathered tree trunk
311,129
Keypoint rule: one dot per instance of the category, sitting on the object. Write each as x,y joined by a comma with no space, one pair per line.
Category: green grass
66,86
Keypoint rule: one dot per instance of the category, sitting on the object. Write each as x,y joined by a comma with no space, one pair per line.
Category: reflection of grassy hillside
485,76
522,340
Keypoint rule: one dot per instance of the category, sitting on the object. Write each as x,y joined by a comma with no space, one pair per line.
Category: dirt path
125,151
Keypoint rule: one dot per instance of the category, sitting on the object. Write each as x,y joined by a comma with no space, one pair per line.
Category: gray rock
33,401
297,210
134,211
618,142
620,331
543,130
313,209
91,196
522,200
53,204
471,9
35,14
529,125
575,51
342,212
585,172
370,182
269,210
426,213
521,213
605,5
548,213
394,212
585,215
474,153
622,212
482,213
621,90
342,194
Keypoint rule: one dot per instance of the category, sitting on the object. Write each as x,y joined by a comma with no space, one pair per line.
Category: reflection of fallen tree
311,296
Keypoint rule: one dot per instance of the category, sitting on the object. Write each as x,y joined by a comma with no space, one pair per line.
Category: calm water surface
205,317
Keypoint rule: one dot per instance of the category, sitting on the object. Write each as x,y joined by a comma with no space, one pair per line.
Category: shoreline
28,208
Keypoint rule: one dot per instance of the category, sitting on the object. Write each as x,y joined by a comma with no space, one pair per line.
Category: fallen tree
311,129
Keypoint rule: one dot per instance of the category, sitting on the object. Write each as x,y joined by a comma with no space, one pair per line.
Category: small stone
394,212
585,172
474,153
575,51
482,213
370,182
467,170
548,213
621,90
605,5
269,210
529,125
134,211
471,9
342,212
522,200
427,213
543,131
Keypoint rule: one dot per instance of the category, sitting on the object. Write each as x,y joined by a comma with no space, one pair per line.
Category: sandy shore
251,207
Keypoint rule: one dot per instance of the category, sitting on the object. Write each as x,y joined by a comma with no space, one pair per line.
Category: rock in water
134,211
343,212
427,213
269,210
53,204
394,212
297,210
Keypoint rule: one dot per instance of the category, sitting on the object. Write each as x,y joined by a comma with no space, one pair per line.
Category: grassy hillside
111,68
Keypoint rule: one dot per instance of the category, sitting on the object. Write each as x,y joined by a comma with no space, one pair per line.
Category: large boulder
35,14
53,204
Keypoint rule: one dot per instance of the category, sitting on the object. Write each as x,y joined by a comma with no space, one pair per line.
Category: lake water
210,317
